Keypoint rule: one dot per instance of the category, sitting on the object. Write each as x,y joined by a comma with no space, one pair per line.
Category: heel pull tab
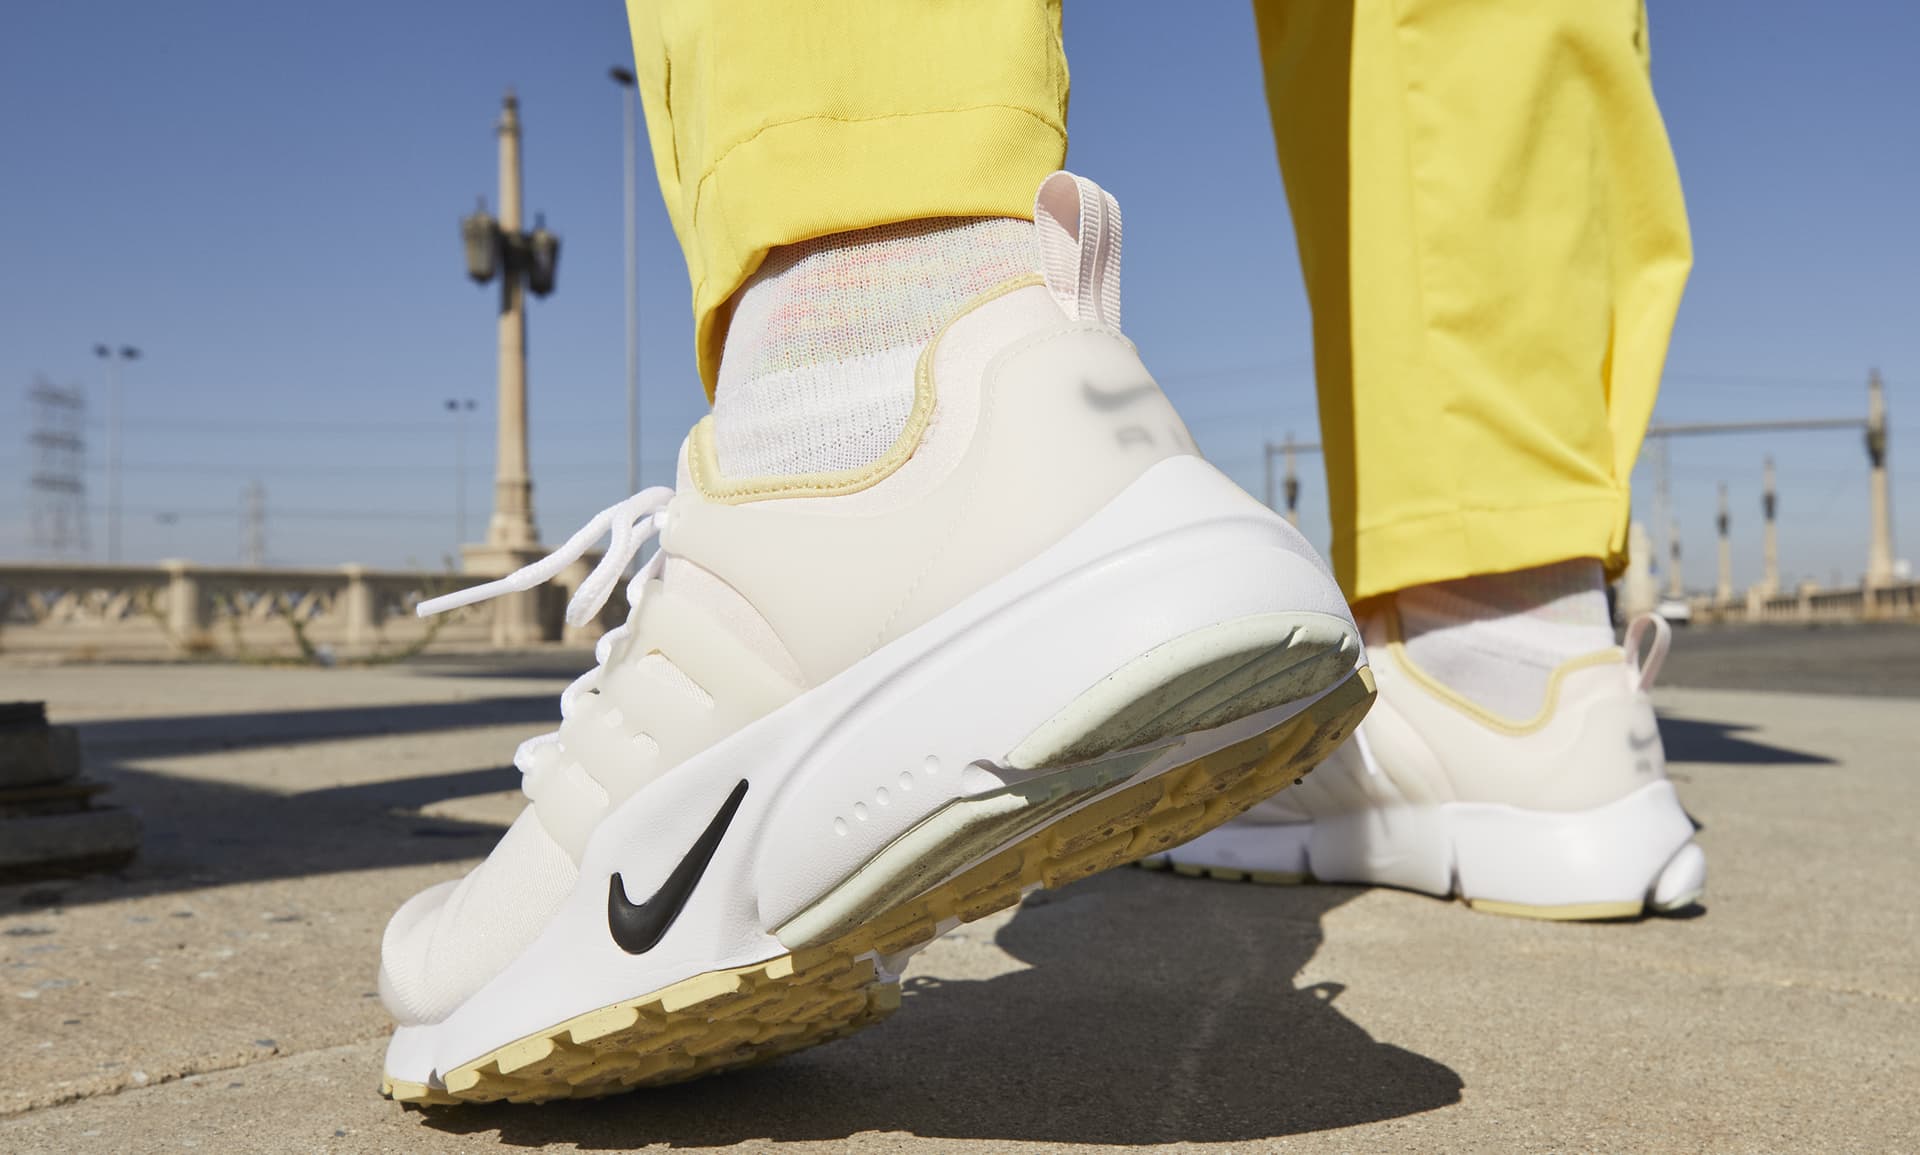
1645,670
1078,235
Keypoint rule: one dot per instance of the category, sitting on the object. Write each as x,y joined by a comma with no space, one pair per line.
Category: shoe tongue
1078,235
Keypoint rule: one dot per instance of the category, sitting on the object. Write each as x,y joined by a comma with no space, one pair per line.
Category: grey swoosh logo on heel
1116,398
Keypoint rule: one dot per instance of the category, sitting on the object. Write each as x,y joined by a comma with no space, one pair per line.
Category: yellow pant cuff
1467,543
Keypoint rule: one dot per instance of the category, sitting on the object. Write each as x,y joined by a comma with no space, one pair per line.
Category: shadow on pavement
564,665
177,734
1690,740
1152,1010
199,833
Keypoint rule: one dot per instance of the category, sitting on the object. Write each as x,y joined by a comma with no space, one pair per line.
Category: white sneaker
1042,638
1568,815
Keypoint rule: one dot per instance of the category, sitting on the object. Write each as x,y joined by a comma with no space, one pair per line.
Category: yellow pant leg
773,122
1494,244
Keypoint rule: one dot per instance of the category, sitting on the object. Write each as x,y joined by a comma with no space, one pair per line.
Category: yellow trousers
1488,215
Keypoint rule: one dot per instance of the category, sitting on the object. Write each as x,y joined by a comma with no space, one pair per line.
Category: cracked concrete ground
219,993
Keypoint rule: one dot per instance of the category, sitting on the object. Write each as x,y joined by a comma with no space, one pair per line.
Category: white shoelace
632,522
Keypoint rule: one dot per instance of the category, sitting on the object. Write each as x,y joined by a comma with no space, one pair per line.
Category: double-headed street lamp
510,254
114,359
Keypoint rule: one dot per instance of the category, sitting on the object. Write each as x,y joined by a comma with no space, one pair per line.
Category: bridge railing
1810,604
63,609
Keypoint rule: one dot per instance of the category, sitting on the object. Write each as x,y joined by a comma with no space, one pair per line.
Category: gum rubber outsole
729,1019
1572,912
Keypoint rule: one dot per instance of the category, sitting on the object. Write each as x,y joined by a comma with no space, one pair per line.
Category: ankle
1497,639
818,369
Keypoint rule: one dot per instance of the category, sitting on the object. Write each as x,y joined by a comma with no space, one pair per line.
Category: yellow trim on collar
703,460
1396,645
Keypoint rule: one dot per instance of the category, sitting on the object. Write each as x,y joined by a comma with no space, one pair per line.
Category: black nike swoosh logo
639,928
1117,398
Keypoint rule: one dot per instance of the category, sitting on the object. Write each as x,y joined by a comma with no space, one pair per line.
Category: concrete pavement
219,994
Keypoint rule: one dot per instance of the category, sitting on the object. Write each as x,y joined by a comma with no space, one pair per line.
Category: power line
294,514
216,425
1783,382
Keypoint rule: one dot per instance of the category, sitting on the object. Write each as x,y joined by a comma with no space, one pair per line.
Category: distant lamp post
1880,524
167,520
1770,542
1723,526
1291,487
624,78
460,409
114,359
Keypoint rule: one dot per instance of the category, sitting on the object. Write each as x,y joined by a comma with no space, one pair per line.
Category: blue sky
264,199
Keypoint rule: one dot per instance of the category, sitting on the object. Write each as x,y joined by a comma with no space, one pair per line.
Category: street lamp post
168,520
460,409
1723,526
115,359
624,78
1291,482
1770,543
523,261
1880,516
1292,487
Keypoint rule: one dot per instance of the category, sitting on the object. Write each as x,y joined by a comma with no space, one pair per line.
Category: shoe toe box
451,939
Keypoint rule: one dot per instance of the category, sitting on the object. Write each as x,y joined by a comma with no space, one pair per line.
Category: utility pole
624,78
58,482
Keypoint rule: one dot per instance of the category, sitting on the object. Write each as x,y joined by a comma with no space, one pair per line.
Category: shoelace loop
631,521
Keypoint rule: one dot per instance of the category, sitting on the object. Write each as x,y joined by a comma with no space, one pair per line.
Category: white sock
817,371
1497,639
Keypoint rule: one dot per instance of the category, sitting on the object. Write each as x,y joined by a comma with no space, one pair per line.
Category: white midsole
1619,852
840,772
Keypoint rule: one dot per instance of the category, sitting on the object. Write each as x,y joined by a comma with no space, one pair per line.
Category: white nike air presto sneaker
848,712
1568,815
